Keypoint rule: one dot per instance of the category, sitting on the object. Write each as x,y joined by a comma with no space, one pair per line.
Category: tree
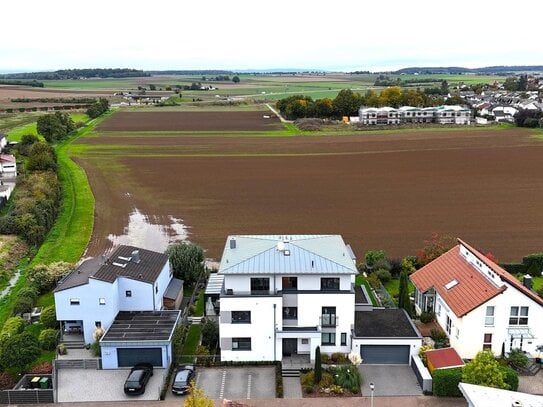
403,300
210,334
152,87
347,103
444,87
55,126
511,84
434,247
48,339
324,108
19,350
318,365
12,326
391,97
236,79
187,261
48,317
197,398
45,277
41,157
484,370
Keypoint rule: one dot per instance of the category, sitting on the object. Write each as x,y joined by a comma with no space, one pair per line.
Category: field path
278,114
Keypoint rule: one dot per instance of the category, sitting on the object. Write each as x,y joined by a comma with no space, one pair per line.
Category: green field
18,132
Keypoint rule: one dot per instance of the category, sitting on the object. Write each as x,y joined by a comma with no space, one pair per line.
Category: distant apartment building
409,114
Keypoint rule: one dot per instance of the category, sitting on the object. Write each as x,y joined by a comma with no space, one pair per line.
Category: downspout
274,334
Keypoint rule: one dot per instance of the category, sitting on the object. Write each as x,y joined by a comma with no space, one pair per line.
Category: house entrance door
290,346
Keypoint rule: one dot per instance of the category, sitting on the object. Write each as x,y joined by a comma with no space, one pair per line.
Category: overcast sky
212,34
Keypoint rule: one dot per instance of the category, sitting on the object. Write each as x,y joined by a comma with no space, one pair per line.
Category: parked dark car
137,379
184,374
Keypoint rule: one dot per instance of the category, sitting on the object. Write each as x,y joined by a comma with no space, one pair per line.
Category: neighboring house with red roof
8,165
478,304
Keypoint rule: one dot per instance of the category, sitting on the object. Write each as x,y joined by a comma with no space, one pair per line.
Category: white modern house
379,115
408,114
92,295
478,304
452,115
284,295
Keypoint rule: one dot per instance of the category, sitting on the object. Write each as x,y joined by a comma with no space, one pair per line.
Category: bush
383,275
6,381
308,379
540,291
445,382
533,264
29,292
327,380
48,317
325,358
23,305
348,377
510,376
374,281
422,354
96,349
339,358
373,257
46,277
308,389
426,317
438,335
12,326
48,339
210,334
517,358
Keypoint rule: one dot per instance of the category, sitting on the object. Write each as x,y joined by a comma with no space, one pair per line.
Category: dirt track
190,121
379,191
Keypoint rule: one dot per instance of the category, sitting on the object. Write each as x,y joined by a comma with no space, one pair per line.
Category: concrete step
74,344
532,367
290,372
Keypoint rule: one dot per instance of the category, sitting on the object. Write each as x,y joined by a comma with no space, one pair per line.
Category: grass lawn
393,287
199,312
18,132
361,280
537,283
192,341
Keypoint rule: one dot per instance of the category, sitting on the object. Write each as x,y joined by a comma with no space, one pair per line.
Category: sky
342,35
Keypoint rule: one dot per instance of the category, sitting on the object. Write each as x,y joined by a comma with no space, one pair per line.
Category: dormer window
451,284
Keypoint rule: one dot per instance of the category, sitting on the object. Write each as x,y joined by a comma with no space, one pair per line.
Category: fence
78,363
25,392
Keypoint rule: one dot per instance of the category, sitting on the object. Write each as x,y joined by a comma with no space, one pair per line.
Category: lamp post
372,388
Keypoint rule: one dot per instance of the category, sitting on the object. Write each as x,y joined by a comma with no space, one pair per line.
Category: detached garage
385,336
139,336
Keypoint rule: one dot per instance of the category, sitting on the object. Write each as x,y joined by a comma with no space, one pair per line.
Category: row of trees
98,108
347,102
56,126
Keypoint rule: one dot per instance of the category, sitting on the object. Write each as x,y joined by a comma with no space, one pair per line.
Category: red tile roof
446,357
472,290
7,157
504,275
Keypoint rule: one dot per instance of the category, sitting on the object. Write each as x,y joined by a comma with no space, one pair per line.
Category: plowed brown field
190,121
383,191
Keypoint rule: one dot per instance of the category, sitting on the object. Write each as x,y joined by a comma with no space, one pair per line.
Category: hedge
533,264
445,382
514,268
510,376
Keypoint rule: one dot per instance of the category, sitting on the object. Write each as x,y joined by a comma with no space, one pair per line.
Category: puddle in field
151,233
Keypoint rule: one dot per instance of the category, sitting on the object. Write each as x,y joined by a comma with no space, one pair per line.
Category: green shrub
517,358
374,256
348,377
308,379
23,305
326,380
533,264
339,358
422,354
48,317
510,376
48,339
308,389
540,291
383,275
445,382
6,381
29,292
426,317
12,326
438,335
325,358
96,349
374,281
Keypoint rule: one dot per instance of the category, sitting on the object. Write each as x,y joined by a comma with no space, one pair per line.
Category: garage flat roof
384,323
142,326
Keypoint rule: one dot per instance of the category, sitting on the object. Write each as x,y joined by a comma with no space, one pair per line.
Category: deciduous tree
484,370
187,261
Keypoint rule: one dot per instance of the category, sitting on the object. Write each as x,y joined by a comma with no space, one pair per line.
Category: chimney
528,281
136,256
233,243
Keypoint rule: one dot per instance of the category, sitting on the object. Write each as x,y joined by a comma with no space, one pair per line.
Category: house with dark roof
130,279
478,304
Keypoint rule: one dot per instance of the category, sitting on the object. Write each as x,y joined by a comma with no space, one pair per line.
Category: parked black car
184,374
138,378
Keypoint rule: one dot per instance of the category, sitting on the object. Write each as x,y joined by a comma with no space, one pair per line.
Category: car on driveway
184,374
137,379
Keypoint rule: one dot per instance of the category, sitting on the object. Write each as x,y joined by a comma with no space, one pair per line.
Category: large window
328,316
343,339
449,325
290,312
260,285
487,342
241,343
241,317
489,318
328,339
328,283
290,283
518,316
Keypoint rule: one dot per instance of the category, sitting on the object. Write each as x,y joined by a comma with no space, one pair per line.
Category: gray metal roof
142,326
286,254
146,266
173,289
214,284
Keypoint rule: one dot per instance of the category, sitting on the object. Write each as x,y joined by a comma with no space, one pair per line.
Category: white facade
408,114
305,297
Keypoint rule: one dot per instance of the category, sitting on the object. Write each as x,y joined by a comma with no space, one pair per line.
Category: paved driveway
103,385
390,380
237,383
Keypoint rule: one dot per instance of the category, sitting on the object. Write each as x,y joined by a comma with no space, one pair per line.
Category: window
305,341
98,324
241,317
457,333
74,301
329,283
487,342
102,301
343,339
328,339
156,289
290,312
328,317
438,313
260,285
128,293
449,325
241,343
489,318
518,316
290,283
